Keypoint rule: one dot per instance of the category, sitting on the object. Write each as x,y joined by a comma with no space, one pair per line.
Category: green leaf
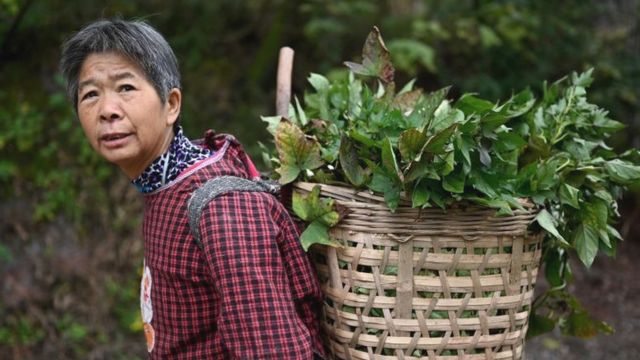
313,208
436,143
519,104
513,202
302,117
608,125
547,222
545,176
465,145
554,266
595,213
613,232
539,325
604,237
501,205
448,165
330,218
422,115
586,243
410,143
418,169
389,161
407,87
454,182
316,233
444,117
376,60
420,195
355,96
362,138
484,183
471,104
349,162
509,141
382,184
584,79
296,152
580,148
581,324
319,82
622,171
272,123
306,207
569,195
485,158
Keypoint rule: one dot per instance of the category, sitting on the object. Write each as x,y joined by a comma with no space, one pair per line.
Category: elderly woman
246,289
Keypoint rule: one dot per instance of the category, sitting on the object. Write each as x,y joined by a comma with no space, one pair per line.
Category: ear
174,100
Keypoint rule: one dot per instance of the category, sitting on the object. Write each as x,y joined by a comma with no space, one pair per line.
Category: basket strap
216,187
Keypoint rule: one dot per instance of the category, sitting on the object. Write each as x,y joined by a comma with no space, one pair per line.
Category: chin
119,159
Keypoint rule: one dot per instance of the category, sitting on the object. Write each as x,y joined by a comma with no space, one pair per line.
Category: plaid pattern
251,294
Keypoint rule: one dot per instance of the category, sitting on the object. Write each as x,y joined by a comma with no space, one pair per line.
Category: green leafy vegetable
297,153
376,60
319,213
349,162
547,222
434,151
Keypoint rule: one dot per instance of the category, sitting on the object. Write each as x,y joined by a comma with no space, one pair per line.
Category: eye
89,94
127,87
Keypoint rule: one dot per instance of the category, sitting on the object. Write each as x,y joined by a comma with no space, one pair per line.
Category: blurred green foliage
50,178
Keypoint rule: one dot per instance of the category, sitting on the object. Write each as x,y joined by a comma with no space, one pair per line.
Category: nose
110,107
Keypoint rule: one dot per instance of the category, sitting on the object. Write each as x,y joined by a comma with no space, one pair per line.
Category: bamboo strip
418,303
361,355
454,343
373,257
421,240
456,284
466,324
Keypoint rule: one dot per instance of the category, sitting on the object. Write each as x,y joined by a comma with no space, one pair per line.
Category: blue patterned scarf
166,168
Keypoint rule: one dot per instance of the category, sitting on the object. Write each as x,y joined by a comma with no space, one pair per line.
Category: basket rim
371,197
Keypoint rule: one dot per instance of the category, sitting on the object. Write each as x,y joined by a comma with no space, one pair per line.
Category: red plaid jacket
251,294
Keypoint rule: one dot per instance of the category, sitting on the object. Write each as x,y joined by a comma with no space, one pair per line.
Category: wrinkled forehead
111,66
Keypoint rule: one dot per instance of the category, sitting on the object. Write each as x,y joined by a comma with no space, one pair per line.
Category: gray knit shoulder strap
216,187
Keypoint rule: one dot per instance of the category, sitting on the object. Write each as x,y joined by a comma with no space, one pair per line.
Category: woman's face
121,113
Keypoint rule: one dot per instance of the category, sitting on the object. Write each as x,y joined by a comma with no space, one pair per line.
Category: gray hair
135,40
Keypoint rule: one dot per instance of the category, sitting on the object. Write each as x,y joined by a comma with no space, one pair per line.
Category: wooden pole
283,82
283,99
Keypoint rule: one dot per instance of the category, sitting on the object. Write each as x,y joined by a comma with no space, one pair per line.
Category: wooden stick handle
283,84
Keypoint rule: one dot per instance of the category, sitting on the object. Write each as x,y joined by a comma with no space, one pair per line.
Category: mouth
113,136
113,140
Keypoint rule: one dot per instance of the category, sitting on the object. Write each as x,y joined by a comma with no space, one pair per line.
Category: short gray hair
136,40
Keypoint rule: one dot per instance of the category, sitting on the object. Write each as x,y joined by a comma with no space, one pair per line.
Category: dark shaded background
70,249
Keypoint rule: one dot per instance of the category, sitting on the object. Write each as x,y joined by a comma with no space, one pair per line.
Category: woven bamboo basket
426,284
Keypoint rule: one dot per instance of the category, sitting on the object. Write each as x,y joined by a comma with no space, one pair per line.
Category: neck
134,170
178,155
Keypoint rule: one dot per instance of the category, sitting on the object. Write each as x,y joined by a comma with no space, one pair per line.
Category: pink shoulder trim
193,168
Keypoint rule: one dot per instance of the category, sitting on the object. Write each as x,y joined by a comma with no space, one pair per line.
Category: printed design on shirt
147,307
150,335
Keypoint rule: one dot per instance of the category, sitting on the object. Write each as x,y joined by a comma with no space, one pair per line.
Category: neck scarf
166,168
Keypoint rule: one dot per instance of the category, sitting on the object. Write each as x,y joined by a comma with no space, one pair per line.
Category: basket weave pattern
426,284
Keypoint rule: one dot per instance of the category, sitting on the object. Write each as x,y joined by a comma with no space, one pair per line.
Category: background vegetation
70,249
